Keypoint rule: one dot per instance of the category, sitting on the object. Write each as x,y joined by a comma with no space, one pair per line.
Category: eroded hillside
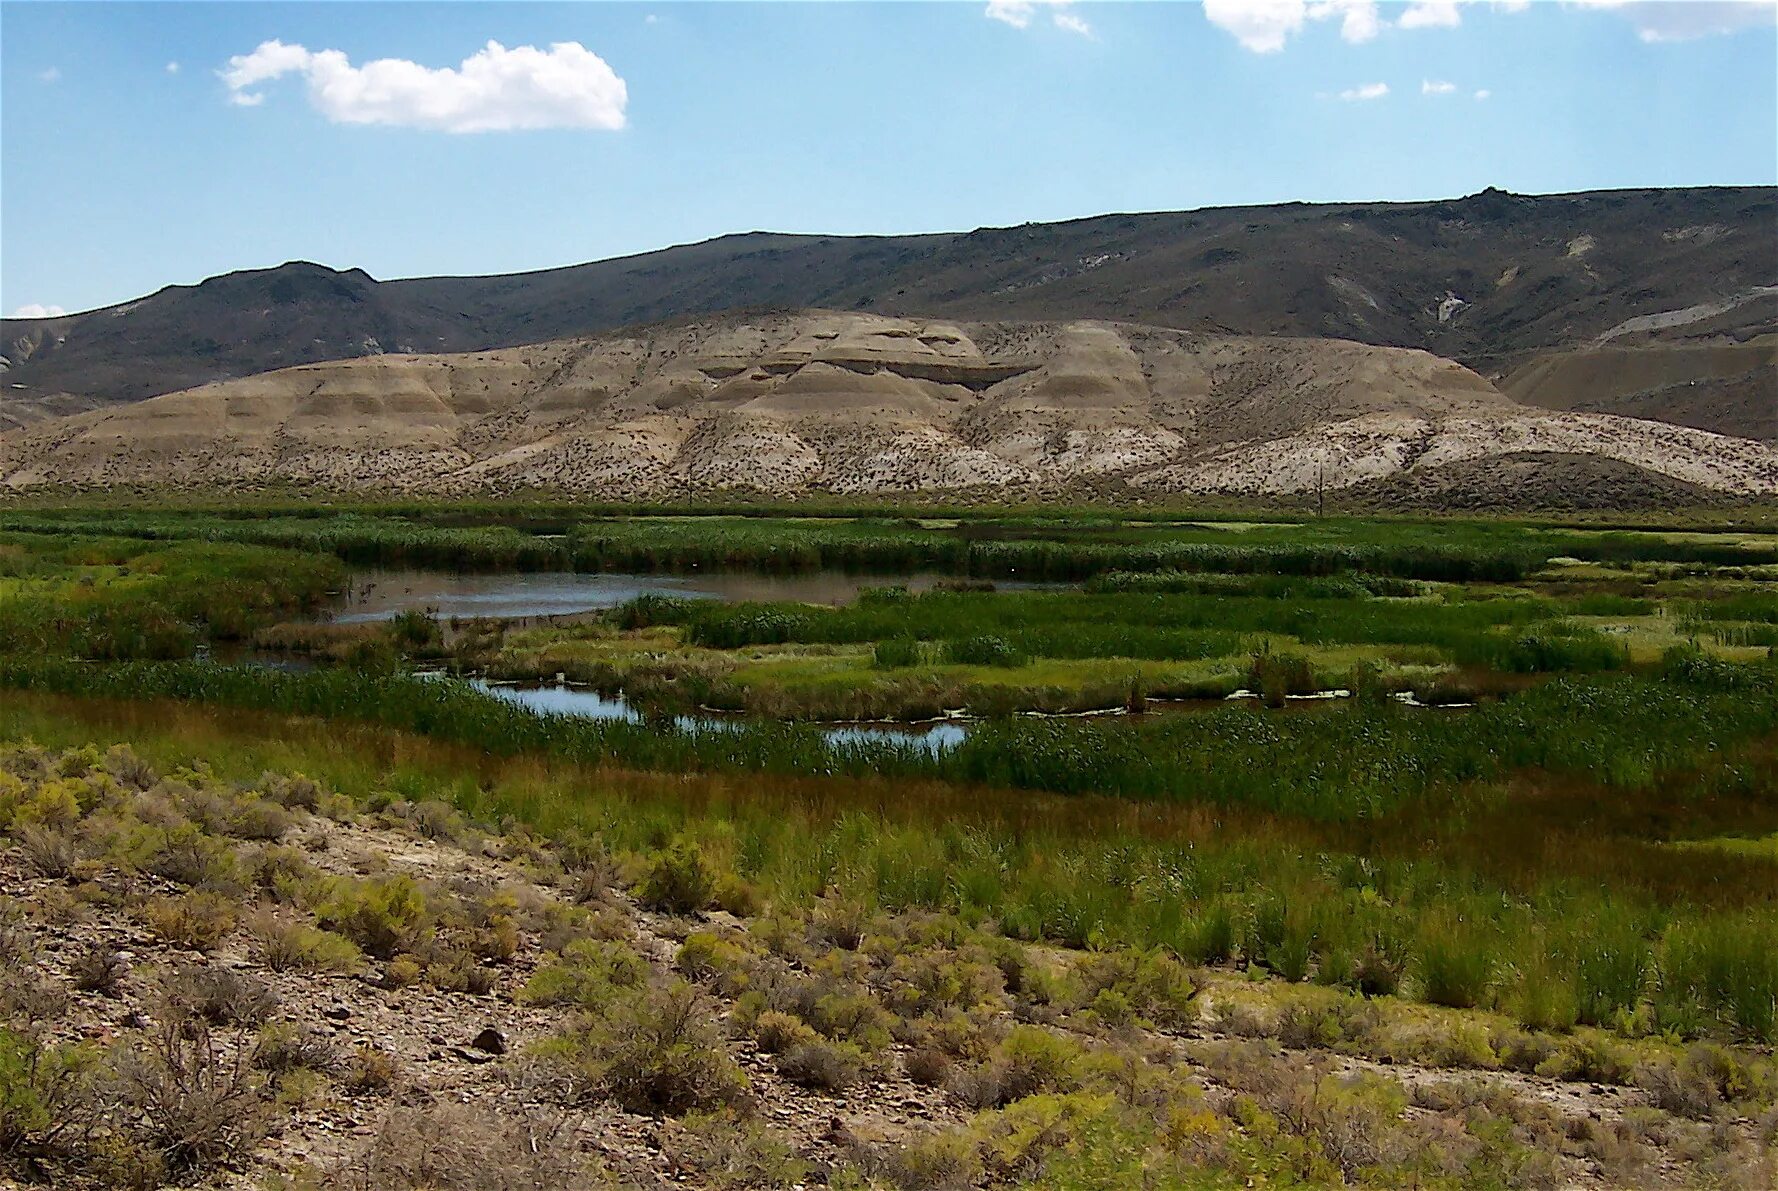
849,403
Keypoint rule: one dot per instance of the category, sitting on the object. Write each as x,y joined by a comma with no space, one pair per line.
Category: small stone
490,1040
337,1013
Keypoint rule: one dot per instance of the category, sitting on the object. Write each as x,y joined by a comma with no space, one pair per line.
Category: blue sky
134,154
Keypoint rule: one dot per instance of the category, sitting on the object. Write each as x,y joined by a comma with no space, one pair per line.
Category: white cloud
1366,91
1687,20
1484,93
1436,87
1262,26
1359,21
1018,14
651,19
1430,14
49,75
38,310
1070,23
494,90
172,68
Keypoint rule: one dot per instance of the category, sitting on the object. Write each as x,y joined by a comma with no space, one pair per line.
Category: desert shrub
1027,1061
776,1032
190,1099
432,818
284,944
838,922
185,854
680,881
1333,1025
219,995
98,967
454,969
929,981
27,994
706,958
291,791
737,896
370,1070
656,1050
829,1066
286,1047
49,851
947,1161
587,972
1520,1050
383,916
730,1151
52,804
928,1066
46,1100
1155,987
197,920
451,1147
1590,1057
257,819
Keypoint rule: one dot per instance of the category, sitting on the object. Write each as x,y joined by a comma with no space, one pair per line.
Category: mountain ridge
1494,280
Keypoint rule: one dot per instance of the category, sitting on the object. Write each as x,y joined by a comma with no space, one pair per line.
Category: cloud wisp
494,90
1436,87
1020,13
1365,92
1688,20
38,310
1265,26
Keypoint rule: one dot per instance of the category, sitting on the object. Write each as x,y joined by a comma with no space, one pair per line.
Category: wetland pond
379,594
382,594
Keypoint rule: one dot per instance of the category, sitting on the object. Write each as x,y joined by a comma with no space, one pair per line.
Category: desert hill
1509,285
855,403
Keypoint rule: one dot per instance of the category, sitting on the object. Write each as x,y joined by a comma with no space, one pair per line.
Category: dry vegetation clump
449,1147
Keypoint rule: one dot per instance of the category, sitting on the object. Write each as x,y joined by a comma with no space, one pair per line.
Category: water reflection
589,704
381,594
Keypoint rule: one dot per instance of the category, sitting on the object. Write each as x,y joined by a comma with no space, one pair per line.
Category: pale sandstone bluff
855,404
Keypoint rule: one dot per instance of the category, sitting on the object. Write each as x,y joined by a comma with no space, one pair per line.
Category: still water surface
381,594
583,703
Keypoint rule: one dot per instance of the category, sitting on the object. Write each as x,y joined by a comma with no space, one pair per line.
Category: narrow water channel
583,703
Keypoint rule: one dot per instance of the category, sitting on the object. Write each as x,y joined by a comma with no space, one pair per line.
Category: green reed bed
1069,547
125,598
1624,731
1518,634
